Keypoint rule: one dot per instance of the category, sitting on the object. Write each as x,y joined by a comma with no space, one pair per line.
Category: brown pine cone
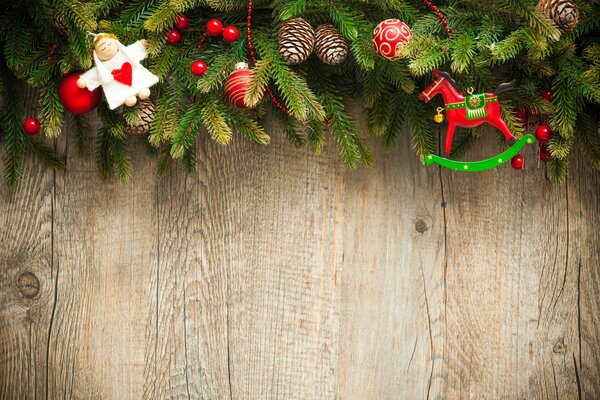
146,117
564,13
296,41
59,23
330,45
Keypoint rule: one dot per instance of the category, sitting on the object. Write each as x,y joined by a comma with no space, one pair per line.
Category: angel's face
106,48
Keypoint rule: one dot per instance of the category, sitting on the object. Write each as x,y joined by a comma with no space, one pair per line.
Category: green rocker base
484,165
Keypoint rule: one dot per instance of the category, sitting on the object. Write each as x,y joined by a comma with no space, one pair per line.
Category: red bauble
517,162
545,154
214,27
238,83
32,126
173,37
199,68
543,133
548,95
75,99
182,22
389,37
230,34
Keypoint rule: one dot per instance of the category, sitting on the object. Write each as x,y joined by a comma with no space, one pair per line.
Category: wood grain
275,273
105,251
26,303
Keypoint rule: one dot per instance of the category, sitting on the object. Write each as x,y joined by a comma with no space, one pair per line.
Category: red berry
521,117
543,133
545,154
214,27
32,126
173,37
231,34
548,95
517,162
182,22
199,68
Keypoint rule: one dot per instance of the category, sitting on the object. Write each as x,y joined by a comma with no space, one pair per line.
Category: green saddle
475,105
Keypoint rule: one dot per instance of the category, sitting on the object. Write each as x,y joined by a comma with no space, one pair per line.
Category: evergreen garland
494,41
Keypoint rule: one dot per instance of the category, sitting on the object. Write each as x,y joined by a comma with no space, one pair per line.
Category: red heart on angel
124,74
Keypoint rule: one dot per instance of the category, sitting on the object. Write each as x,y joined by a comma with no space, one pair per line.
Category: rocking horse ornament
468,112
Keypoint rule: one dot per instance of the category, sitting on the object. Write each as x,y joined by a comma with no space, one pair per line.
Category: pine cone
564,13
296,41
146,117
330,46
59,23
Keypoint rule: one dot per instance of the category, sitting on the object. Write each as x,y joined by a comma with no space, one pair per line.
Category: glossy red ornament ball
182,22
214,27
173,37
230,34
543,133
238,83
517,162
548,95
389,37
32,126
75,99
199,68
545,154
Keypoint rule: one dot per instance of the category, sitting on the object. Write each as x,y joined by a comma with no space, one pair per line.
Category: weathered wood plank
511,292
105,252
26,281
245,278
275,273
583,190
390,242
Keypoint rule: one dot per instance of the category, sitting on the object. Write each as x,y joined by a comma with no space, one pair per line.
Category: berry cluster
543,132
214,28
174,35
441,16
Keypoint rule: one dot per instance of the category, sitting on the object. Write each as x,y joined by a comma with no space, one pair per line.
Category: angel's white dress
115,91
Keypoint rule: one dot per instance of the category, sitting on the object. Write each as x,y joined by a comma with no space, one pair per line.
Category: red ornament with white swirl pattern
238,83
389,37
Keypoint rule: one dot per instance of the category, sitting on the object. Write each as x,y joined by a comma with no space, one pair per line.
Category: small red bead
32,126
199,68
543,133
517,162
182,22
214,27
545,153
173,37
548,95
230,34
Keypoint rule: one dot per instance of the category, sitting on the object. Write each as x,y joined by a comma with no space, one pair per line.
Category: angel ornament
118,70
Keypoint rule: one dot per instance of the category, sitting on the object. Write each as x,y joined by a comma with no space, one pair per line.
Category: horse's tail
506,86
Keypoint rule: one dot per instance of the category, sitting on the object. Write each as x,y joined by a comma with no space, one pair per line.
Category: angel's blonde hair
101,36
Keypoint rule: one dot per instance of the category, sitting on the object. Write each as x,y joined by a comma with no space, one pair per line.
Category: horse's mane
447,76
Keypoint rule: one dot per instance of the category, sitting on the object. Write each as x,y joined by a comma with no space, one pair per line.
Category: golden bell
439,117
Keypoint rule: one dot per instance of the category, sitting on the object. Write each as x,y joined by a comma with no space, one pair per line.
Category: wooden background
275,273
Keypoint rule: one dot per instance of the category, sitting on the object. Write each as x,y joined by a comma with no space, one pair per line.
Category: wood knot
28,284
559,348
421,226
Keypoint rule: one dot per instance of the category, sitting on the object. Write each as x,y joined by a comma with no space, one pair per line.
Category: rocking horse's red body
445,86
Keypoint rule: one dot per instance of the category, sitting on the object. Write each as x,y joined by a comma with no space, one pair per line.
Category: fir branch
215,120
51,111
45,153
